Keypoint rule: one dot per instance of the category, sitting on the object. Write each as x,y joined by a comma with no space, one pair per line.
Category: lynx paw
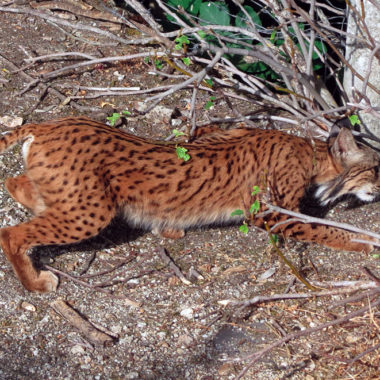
367,248
46,282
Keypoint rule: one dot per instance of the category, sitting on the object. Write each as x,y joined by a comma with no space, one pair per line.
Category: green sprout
182,153
116,116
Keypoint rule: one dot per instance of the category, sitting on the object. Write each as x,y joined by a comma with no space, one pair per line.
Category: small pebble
28,306
77,349
187,313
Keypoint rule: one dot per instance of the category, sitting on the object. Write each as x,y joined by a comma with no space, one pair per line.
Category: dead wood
91,333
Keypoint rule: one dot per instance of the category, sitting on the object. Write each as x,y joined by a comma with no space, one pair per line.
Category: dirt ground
171,330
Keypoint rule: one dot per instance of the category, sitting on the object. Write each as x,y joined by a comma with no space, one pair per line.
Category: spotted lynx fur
81,173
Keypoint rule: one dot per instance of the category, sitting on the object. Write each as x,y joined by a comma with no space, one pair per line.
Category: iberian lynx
81,173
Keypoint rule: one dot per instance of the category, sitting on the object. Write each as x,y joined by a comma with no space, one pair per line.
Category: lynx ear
344,148
334,131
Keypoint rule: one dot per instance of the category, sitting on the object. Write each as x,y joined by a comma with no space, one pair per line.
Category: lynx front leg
331,237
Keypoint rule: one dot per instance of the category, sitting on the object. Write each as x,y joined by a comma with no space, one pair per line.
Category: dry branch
277,297
44,88
59,21
90,332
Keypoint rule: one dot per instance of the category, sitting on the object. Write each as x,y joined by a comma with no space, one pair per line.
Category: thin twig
326,293
60,21
310,219
168,261
253,358
93,287
365,352
49,89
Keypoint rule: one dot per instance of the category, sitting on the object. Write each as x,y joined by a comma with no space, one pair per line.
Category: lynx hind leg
14,243
51,227
24,191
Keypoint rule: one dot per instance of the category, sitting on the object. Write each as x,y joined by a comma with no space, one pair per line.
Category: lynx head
360,174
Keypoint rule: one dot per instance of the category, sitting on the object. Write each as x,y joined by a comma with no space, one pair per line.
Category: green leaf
202,33
177,133
190,6
193,8
244,229
376,256
209,81
354,119
255,190
253,68
146,59
318,44
214,13
237,212
255,207
186,61
273,35
301,26
182,3
126,112
182,153
181,40
210,103
279,42
317,66
114,118
274,238
158,64
241,19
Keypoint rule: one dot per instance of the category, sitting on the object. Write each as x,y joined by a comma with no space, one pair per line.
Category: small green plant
180,150
274,239
182,153
209,82
159,64
210,103
178,133
116,116
186,61
181,42
237,212
253,210
354,120
244,228
201,33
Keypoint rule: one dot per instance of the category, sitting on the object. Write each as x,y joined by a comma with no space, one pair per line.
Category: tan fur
80,173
